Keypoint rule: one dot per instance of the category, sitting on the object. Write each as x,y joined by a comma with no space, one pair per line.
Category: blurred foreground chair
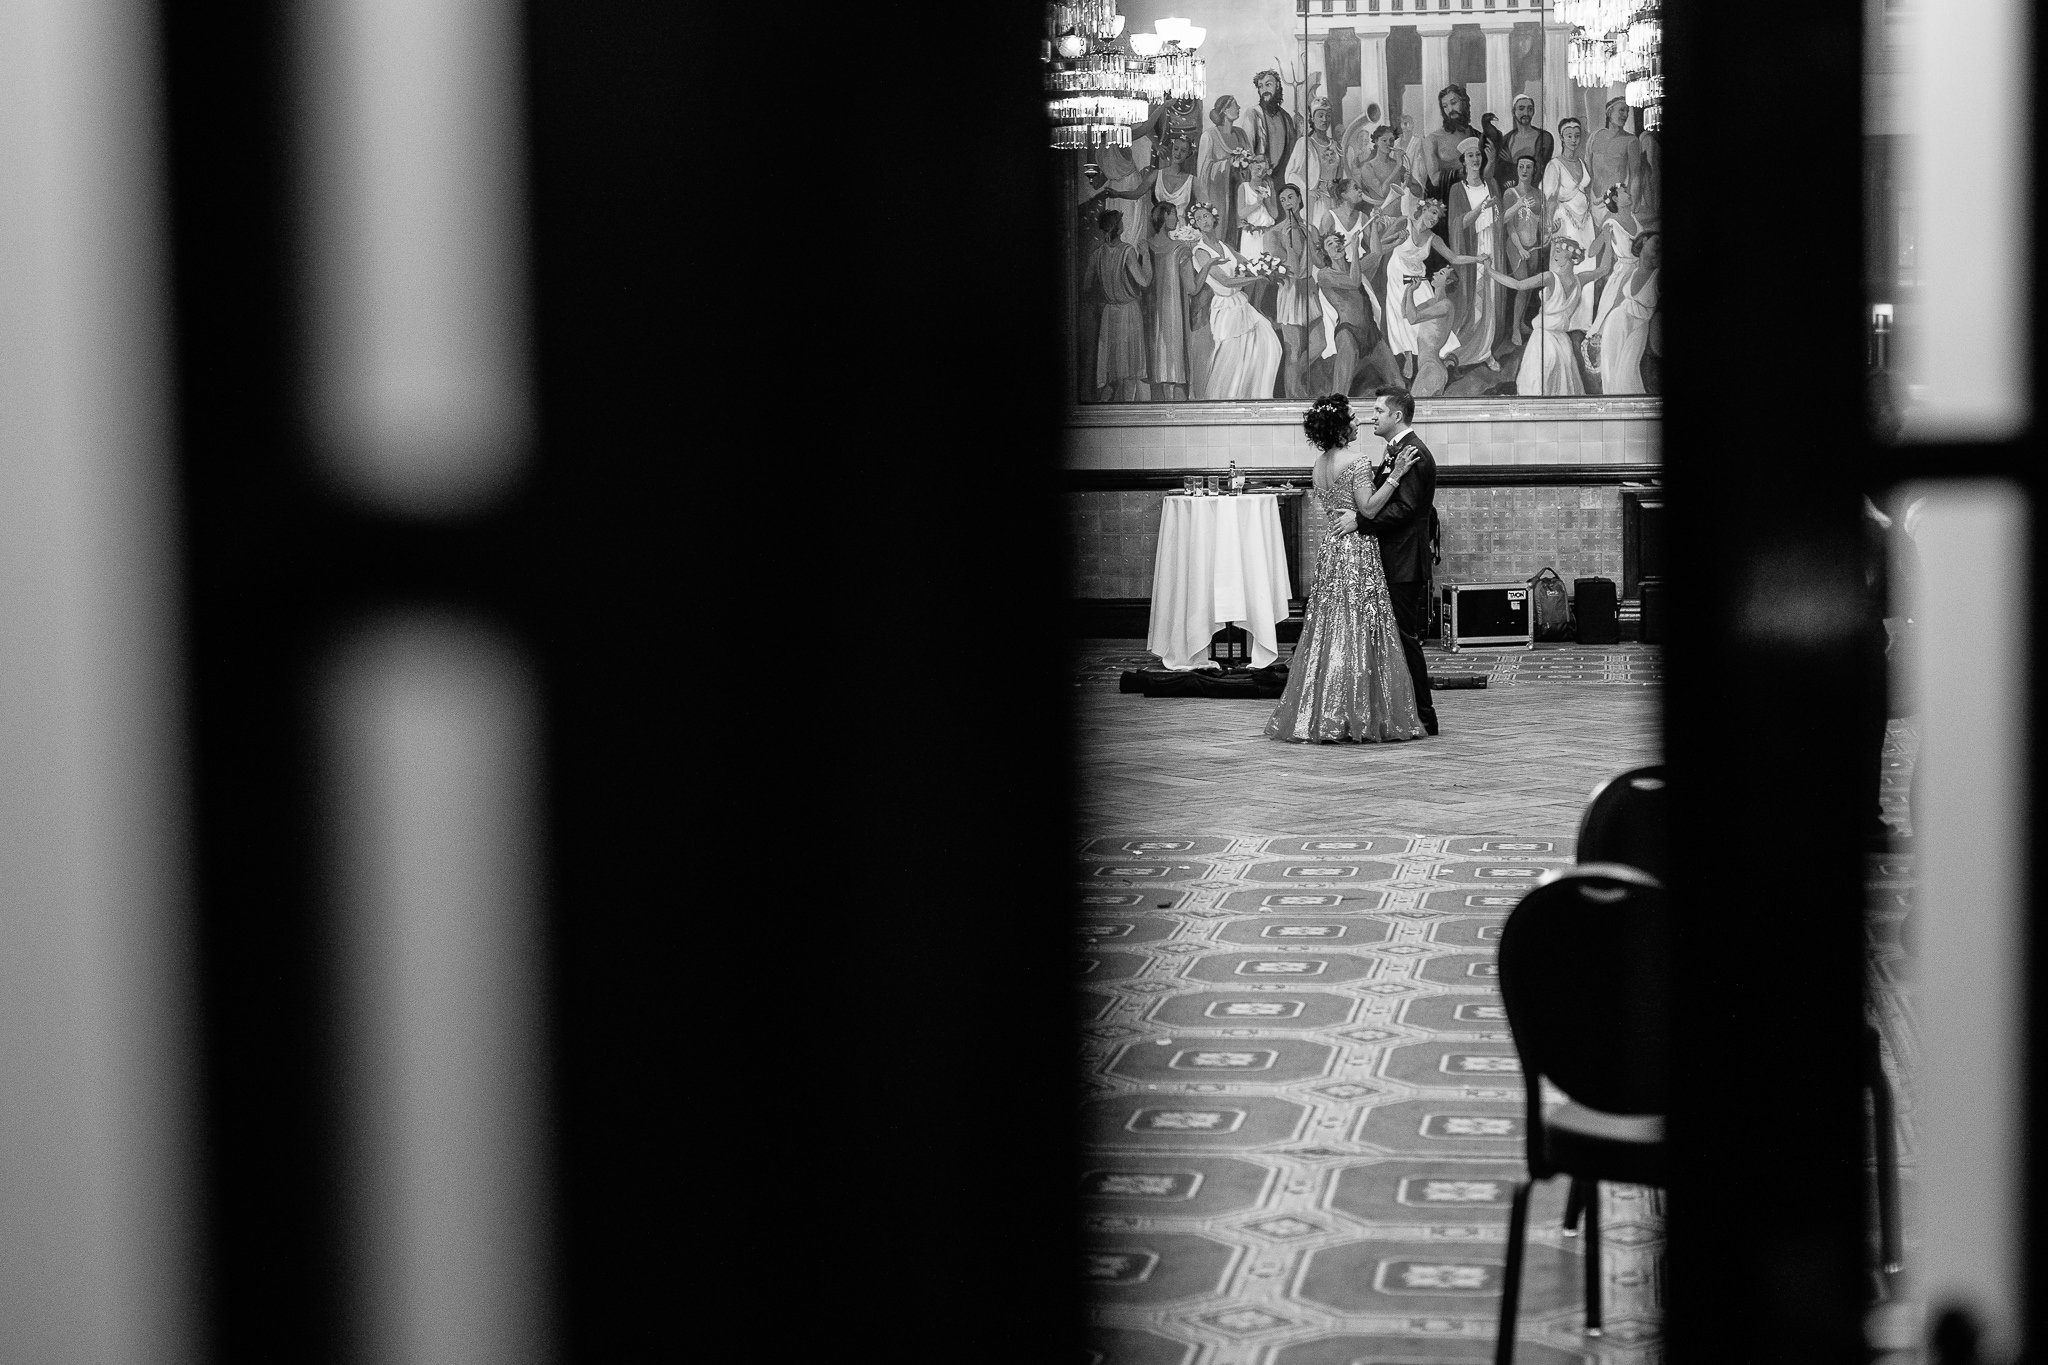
1584,965
1628,822
1625,822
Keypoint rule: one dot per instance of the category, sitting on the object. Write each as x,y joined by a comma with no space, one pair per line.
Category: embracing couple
1358,672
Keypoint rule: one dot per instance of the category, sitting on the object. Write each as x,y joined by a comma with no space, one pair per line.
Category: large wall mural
1369,193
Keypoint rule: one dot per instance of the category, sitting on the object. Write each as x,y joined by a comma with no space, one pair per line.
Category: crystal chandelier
1617,42
1095,90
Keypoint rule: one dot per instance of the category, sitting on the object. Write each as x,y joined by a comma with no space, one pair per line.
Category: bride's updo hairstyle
1329,422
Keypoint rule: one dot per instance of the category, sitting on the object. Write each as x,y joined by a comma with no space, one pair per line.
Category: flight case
1487,614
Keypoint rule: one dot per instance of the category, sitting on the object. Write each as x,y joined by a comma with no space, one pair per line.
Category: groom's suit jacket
1403,524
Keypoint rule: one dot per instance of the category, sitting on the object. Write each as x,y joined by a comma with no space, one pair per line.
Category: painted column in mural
1343,70
1557,81
1372,77
1314,66
1500,75
1436,74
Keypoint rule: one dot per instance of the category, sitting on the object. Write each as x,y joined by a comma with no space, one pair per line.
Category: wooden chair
1584,963
1627,821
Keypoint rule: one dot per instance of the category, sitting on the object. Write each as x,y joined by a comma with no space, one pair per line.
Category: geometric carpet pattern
1303,1113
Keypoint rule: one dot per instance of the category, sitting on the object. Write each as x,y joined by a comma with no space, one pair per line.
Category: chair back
1625,822
1585,967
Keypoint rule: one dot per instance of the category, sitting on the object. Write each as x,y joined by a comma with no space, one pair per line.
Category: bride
1347,679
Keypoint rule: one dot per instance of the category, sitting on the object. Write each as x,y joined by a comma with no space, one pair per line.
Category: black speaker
1596,607
1653,610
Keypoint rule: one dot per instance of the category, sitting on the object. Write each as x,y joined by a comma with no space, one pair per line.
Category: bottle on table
1236,484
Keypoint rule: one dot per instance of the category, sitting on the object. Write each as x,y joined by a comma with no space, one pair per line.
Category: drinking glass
1187,484
1209,484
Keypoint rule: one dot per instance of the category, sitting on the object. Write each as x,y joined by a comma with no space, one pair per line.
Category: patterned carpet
1304,1113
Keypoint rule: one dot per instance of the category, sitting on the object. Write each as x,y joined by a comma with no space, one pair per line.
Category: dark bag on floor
1551,605
1594,609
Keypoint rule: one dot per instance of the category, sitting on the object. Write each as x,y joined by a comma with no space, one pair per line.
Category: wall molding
1287,412
1447,476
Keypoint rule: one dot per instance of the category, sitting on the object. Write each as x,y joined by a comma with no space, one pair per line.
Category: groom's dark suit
1403,528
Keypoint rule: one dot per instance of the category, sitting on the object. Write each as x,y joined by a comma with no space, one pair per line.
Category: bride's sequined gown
1347,679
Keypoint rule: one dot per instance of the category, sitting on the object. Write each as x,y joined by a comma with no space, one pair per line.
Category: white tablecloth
1221,561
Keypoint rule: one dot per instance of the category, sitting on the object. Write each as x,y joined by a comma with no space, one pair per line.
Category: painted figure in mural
1272,127
1380,242
1436,165
1126,189
1407,263
1614,155
1317,161
1367,235
1122,272
1647,185
1524,139
1384,178
1616,226
1345,216
1244,356
1383,233
1166,304
1295,306
1565,184
1358,139
1347,330
1522,219
1432,323
1625,330
1550,363
1473,229
1407,140
1175,128
1258,212
1174,186
1221,140
1202,221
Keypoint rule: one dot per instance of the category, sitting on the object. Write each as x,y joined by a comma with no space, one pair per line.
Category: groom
1403,528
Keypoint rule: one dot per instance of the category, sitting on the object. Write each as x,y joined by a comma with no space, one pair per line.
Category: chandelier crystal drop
1095,89
1617,42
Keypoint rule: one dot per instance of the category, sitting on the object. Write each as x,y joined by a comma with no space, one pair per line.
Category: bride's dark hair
1328,422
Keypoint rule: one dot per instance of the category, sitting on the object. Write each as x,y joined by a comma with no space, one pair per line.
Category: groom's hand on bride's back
1343,522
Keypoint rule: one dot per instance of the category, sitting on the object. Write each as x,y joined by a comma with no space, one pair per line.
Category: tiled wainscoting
1160,436
1490,534
1497,534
